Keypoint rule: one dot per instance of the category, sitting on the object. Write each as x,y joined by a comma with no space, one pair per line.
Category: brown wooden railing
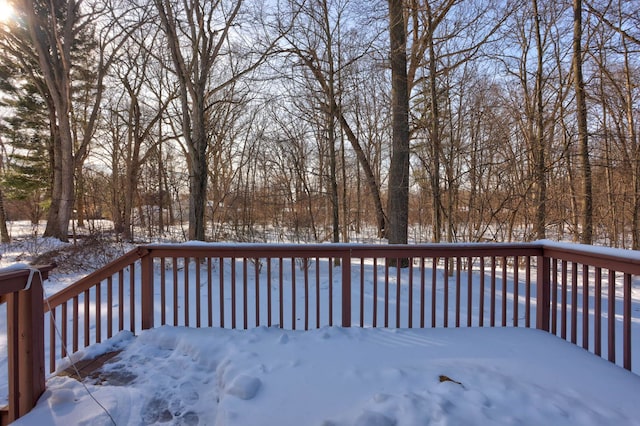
21,290
580,293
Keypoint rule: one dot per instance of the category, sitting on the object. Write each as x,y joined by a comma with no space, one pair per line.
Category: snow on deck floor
336,376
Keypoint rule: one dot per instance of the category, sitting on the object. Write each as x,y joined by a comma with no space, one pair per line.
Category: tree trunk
635,149
63,192
198,177
539,146
583,137
398,194
117,209
434,136
4,233
80,216
345,193
333,179
161,192
129,194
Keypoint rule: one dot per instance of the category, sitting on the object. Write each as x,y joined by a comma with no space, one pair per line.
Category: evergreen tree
51,58
24,129
27,171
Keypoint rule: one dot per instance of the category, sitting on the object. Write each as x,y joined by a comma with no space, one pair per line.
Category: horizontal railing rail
79,308
581,294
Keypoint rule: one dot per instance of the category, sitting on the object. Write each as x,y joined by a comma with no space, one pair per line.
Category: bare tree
615,54
540,145
583,135
142,107
398,198
425,19
444,36
313,49
197,23
205,29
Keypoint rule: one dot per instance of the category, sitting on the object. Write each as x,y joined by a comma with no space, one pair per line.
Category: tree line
448,120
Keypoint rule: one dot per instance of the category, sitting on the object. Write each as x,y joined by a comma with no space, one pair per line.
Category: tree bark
398,201
586,236
539,146
4,233
635,148
434,134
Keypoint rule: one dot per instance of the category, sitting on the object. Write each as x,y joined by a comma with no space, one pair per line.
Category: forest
321,120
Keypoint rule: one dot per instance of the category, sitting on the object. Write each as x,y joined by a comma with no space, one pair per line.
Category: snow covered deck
587,296
345,376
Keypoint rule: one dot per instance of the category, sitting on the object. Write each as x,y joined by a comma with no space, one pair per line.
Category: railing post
25,333
13,355
543,286
146,291
626,323
31,344
346,289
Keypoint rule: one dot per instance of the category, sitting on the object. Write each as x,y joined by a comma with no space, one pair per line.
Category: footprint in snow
156,411
189,393
188,419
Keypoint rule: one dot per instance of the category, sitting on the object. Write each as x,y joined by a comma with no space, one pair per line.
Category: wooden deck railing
21,290
566,289
580,293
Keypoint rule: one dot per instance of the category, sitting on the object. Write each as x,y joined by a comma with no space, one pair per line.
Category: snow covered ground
335,376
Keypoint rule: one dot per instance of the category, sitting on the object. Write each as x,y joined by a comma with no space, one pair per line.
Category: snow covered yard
338,376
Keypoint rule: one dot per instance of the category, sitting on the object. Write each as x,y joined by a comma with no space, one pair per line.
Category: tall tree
619,90
540,180
25,137
398,211
53,28
141,109
583,135
310,42
445,37
199,38
634,143
62,35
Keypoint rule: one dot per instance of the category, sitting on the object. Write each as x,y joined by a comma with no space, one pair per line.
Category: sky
6,11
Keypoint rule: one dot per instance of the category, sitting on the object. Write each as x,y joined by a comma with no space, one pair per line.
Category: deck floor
92,369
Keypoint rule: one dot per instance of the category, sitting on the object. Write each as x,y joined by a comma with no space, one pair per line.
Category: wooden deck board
92,369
